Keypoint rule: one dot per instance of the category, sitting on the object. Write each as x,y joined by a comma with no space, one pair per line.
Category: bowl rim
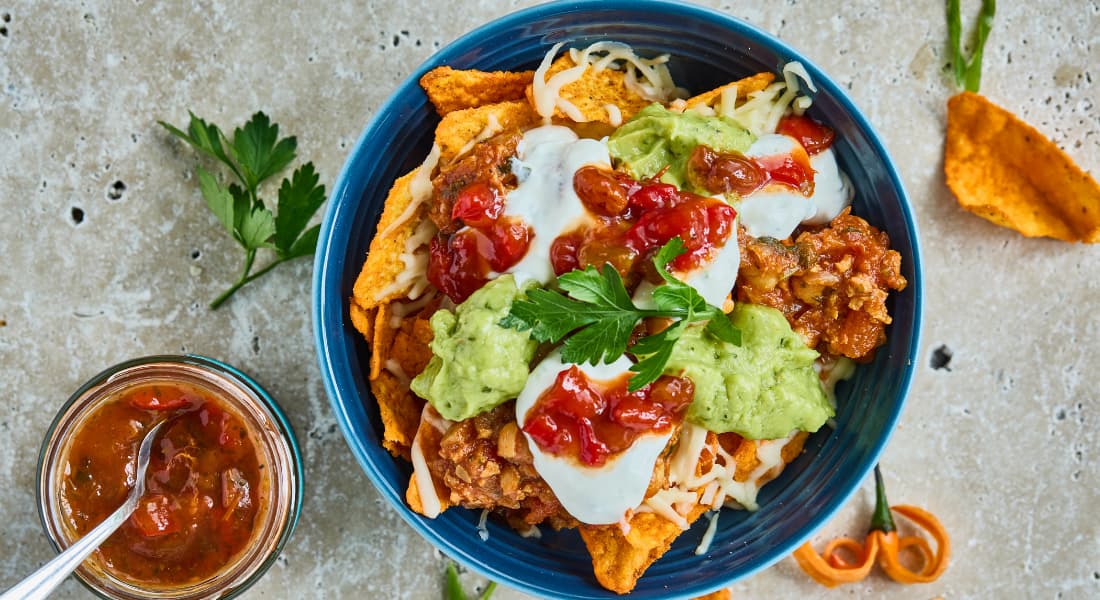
327,284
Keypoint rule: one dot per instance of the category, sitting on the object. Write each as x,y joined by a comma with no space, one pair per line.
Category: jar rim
263,414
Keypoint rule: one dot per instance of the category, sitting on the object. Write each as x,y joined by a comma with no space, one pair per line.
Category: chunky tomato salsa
203,486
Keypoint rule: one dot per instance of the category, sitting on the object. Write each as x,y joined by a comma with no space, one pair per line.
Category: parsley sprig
252,156
968,73
596,316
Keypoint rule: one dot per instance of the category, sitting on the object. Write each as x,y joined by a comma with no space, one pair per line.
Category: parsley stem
249,257
245,277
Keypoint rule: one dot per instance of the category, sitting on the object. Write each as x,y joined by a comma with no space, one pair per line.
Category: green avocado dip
476,364
657,137
764,389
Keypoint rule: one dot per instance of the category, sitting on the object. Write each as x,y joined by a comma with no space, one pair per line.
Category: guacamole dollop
476,364
764,389
657,137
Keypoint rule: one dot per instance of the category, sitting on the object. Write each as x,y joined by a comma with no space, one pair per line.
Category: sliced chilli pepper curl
832,568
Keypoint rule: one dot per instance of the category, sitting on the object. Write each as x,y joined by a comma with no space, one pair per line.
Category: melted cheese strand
400,310
708,537
492,127
395,369
656,84
482,530
415,256
420,188
429,500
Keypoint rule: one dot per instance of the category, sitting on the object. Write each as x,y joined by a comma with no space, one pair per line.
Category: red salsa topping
595,420
202,487
634,219
813,136
460,263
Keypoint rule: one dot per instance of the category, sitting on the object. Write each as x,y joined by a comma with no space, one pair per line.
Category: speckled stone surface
107,253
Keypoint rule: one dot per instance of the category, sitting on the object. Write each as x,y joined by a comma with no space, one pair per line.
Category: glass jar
280,487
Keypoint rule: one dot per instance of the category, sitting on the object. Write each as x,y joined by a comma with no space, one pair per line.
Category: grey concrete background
1001,443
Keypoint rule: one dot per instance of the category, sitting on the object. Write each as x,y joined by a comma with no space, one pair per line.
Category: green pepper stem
881,520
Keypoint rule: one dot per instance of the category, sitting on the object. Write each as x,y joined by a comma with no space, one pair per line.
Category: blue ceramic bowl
708,49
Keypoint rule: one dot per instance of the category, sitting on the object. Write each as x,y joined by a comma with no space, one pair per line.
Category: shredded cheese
647,77
762,111
716,487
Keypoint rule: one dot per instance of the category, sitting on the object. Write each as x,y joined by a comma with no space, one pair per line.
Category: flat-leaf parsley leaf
595,318
255,154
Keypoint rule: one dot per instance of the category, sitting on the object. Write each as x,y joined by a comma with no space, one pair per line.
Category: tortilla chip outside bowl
1007,172
708,49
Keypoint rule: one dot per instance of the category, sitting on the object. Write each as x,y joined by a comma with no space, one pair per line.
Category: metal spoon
44,580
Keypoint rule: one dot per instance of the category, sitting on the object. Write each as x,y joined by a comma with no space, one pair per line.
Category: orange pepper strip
835,558
932,569
831,568
831,576
925,551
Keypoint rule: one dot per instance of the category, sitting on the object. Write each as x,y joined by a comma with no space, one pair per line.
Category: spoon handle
50,575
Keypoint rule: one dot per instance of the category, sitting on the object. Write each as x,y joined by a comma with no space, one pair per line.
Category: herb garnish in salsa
203,486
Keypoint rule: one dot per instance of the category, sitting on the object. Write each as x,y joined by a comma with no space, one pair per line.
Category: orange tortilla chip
362,319
460,127
411,350
745,86
1007,172
400,412
450,89
383,340
593,92
617,560
384,262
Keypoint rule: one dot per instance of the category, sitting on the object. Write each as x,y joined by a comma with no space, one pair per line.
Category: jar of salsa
223,488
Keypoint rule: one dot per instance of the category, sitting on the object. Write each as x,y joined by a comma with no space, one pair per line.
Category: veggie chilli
603,304
203,486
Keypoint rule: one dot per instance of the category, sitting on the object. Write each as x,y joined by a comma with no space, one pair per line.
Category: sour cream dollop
593,495
776,210
545,199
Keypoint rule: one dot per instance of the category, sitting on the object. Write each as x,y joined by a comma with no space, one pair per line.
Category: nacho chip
384,262
746,86
1005,171
383,340
593,92
411,350
400,412
617,560
450,90
722,594
362,319
744,454
459,128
